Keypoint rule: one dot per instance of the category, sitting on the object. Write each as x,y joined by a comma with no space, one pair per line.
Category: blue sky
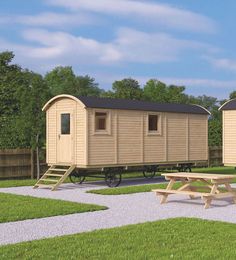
185,42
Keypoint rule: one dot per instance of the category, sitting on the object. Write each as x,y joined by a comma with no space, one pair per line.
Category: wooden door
65,136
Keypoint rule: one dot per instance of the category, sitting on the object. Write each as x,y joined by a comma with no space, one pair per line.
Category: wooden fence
215,156
18,163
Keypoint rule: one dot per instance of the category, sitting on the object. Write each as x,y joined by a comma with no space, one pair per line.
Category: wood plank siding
229,137
183,138
198,137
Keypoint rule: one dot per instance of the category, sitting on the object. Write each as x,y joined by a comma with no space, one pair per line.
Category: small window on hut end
154,124
100,121
65,124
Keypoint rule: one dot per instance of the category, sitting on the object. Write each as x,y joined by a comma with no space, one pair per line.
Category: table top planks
207,176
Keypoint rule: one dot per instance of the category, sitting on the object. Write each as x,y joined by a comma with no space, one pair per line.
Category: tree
215,120
86,86
232,95
155,90
10,79
22,95
62,80
32,97
126,88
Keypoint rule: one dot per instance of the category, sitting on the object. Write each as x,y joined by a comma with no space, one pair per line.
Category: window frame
69,121
106,131
159,124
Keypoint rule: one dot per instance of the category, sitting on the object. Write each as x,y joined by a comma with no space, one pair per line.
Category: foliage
126,88
232,95
158,91
215,132
178,238
62,80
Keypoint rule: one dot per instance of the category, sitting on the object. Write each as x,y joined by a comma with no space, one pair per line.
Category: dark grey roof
229,105
110,103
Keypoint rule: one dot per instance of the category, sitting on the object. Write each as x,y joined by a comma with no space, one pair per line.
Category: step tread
54,174
49,180
58,169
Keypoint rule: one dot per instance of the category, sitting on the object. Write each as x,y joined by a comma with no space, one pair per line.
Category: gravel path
123,210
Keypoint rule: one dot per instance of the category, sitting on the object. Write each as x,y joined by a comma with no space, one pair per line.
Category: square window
65,124
100,121
153,123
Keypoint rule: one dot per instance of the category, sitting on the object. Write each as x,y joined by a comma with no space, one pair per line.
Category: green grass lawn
31,182
16,183
149,187
179,238
122,190
17,207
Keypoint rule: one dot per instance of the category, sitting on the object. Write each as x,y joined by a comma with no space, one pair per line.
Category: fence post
32,163
209,156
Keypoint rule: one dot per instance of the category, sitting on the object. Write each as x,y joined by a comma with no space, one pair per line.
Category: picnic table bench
208,190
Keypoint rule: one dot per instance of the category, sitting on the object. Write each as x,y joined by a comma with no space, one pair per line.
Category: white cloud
129,46
67,47
153,13
222,63
51,19
137,46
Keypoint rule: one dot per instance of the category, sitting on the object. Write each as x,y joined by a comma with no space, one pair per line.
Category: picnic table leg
169,186
214,190
229,189
186,186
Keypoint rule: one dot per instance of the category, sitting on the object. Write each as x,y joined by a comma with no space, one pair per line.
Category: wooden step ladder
54,176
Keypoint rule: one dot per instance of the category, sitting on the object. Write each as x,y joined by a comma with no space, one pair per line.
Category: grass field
179,238
149,187
31,182
17,207
122,190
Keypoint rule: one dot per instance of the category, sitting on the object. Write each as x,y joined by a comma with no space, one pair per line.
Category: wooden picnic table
208,190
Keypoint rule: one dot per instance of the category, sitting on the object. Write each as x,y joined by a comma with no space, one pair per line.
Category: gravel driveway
123,210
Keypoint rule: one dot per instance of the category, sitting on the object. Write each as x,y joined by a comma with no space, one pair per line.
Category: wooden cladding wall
229,137
182,137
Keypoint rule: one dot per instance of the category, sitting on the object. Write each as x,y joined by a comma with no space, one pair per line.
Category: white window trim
107,131
159,124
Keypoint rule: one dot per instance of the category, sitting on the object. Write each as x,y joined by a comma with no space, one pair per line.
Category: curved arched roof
110,103
229,105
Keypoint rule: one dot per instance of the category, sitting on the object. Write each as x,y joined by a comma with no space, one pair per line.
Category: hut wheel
76,177
187,169
149,172
113,179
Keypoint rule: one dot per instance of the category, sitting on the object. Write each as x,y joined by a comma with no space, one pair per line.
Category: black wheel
113,179
149,172
76,178
187,169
